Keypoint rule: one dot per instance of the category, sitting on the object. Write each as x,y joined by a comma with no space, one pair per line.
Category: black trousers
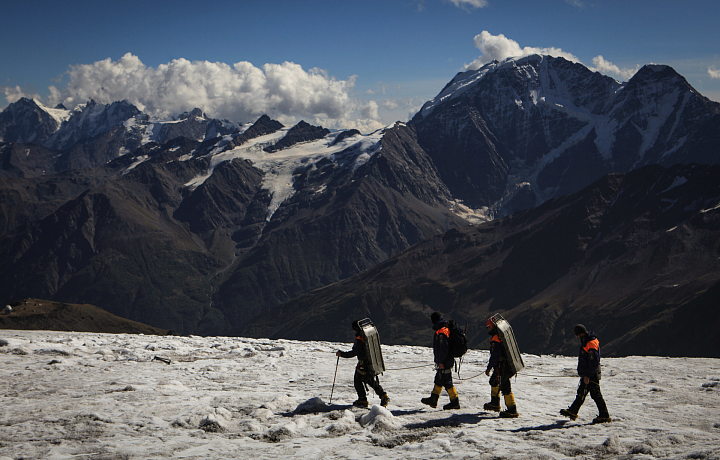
497,380
443,378
593,387
373,382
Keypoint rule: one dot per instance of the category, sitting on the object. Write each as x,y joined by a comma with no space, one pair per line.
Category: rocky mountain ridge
36,140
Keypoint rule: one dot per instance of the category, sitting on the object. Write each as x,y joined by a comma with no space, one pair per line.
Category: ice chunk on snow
262,414
289,430
216,421
380,417
612,445
343,425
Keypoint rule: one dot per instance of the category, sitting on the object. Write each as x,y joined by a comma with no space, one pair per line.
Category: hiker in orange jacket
444,363
362,378
589,371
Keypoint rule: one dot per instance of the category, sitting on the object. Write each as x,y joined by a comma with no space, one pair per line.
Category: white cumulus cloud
390,104
499,47
714,73
13,93
239,92
370,110
467,4
607,67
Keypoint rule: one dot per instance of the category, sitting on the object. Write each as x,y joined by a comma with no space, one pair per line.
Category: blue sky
338,63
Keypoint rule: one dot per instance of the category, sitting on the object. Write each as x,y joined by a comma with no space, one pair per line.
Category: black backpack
458,343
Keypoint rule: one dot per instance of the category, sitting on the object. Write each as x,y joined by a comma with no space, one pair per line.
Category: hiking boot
454,400
384,400
568,414
361,403
494,404
453,404
492,407
511,411
431,401
600,419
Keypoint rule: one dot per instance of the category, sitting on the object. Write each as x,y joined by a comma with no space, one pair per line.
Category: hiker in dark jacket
500,378
444,363
362,376
589,371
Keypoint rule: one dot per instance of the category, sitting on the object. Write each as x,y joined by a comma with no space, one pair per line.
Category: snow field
90,396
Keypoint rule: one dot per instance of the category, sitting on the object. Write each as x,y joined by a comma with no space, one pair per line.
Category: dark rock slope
633,256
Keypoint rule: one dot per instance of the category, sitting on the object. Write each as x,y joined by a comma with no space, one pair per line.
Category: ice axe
333,385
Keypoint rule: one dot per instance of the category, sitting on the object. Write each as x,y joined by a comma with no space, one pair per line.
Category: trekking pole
333,385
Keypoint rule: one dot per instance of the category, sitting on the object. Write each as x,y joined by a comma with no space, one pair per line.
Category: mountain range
208,226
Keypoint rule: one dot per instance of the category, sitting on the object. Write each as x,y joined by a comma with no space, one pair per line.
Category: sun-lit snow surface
86,395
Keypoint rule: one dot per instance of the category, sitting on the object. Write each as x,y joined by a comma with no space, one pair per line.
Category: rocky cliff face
344,218
512,135
27,122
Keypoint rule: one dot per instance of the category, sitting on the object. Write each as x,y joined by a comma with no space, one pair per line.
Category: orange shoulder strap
593,344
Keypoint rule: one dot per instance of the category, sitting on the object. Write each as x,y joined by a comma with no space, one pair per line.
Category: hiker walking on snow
500,379
444,363
362,376
589,371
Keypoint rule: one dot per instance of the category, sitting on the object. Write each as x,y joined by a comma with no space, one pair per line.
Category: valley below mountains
533,187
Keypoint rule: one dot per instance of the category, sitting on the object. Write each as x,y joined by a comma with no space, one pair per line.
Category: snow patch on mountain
679,180
461,83
138,160
660,105
60,115
278,167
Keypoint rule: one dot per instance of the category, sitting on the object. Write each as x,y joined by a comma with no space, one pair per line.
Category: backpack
458,343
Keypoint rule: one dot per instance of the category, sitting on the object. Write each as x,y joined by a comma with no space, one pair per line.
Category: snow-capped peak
59,115
457,86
